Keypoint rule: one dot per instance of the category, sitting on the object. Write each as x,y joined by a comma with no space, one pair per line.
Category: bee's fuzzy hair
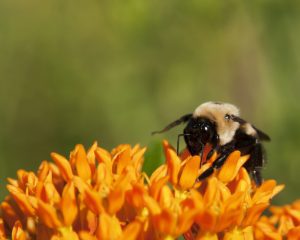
215,112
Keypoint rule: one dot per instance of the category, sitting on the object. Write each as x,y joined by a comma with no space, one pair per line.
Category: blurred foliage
113,71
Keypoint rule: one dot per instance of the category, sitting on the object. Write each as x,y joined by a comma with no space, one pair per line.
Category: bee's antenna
175,123
178,137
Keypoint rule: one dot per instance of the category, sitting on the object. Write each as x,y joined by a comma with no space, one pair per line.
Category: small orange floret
69,204
18,233
64,166
81,163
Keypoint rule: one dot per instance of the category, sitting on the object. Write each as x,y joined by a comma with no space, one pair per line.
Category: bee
220,126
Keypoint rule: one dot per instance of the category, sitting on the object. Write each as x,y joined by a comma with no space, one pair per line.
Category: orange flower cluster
75,198
284,221
97,194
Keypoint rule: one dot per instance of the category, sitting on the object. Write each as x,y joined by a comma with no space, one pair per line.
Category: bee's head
198,132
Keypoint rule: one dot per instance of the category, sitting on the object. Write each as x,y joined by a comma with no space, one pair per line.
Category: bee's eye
227,116
206,133
205,128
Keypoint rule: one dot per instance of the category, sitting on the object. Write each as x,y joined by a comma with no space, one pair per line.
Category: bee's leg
247,144
211,152
225,151
206,173
256,163
256,174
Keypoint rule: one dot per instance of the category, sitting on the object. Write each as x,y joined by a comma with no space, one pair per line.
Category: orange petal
295,214
285,224
22,174
109,227
135,149
152,205
242,183
189,172
89,220
93,201
31,182
135,195
248,233
116,196
173,162
86,236
56,174
68,204
51,194
254,213
13,182
165,222
197,200
266,191
120,148
277,210
294,233
2,230
121,160
91,157
17,232
103,175
296,204
103,156
159,173
43,171
223,191
166,196
233,211
82,165
266,231
207,236
211,191
156,186
63,165
22,200
47,214
137,159
9,214
131,231
207,220
66,234
277,190
231,166
239,234
187,217
80,184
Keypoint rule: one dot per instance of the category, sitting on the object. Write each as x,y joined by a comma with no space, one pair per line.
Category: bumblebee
220,126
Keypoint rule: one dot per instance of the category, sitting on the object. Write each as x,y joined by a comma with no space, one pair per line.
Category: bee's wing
261,135
183,119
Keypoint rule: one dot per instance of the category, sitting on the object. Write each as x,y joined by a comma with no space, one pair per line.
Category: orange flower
74,196
171,214
284,221
183,174
231,203
97,194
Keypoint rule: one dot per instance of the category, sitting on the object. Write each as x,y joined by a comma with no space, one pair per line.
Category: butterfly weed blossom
97,194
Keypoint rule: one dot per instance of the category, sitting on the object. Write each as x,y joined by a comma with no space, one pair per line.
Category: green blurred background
113,71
